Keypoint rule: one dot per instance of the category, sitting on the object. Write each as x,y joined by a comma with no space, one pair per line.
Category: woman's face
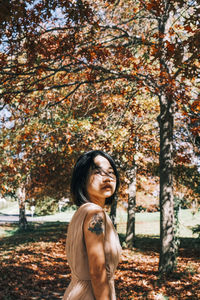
101,182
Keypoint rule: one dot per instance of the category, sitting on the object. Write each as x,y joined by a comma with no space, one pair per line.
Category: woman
92,244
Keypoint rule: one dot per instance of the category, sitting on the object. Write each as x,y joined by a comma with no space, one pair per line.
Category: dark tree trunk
168,249
22,213
113,212
22,218
130,230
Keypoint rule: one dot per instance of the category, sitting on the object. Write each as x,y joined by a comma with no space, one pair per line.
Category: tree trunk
22,217
130,230
113,212
22,213
168,250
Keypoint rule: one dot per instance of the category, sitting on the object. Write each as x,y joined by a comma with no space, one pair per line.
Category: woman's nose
106,177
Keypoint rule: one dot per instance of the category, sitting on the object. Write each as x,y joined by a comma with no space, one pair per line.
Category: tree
22,216
154,45
173,58
130,231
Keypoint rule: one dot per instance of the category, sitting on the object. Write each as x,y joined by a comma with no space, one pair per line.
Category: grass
147,224
36,232
8,230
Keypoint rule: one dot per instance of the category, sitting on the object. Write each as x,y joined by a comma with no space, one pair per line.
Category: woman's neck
100,202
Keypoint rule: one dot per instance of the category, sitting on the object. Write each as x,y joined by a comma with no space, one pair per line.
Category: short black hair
80,175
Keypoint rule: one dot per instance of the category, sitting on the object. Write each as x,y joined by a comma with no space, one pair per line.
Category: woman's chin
107,194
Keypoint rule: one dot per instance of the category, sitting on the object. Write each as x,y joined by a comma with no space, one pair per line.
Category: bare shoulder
95,222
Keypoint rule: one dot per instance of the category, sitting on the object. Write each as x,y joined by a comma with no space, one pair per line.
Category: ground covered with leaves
34,266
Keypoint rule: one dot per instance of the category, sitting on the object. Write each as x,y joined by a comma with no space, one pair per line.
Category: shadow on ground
34,265
36,231
153,243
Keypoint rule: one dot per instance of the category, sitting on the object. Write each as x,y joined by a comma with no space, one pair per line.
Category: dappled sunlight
34,266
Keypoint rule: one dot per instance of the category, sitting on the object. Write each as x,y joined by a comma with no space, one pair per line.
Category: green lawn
149,223
146,223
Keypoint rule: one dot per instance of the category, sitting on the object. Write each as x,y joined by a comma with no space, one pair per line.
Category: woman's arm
94,232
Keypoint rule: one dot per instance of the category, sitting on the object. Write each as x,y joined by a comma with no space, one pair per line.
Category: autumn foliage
74,79
117,75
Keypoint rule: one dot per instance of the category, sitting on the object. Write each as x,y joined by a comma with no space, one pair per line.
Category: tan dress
80,287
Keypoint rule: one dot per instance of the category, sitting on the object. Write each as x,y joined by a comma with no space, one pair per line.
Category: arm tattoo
96,224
